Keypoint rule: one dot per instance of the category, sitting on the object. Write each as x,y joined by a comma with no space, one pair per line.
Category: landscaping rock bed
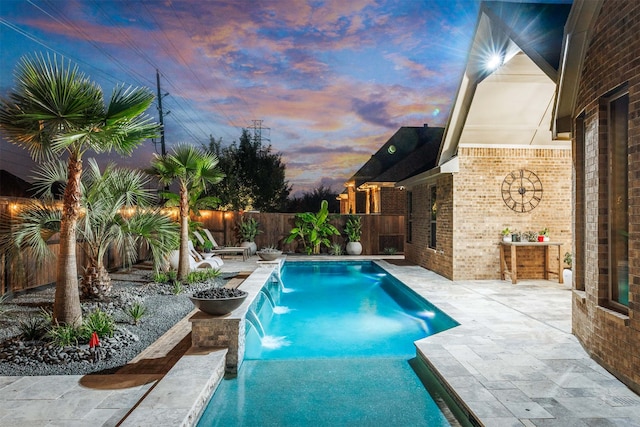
163,310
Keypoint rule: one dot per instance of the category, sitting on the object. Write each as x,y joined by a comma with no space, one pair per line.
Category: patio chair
220,250
196,261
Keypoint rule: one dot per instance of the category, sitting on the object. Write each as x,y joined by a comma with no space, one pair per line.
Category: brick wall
612,61
472,213
440,259
393,201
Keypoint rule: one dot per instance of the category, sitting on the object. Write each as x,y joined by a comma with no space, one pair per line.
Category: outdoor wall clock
521,190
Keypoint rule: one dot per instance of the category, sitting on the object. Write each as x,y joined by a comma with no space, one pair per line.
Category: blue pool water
330,345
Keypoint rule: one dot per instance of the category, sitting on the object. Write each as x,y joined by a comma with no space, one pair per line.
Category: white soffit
512,107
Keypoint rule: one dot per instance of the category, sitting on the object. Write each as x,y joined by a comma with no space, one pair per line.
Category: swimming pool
330,344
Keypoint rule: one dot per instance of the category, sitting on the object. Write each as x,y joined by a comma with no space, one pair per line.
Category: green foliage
568,259
248,229
33,327
506,231
336,249
63,335
255,175
136,311
100,322
202,275
177,287
390,251
353,228
208,245
313,230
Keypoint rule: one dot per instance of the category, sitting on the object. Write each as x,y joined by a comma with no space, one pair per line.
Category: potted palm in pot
248,229
353,231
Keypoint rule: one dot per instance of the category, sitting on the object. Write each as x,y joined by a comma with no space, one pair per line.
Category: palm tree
114,214
194,170
56,110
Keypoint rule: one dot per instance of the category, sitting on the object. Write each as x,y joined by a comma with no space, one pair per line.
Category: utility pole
163,149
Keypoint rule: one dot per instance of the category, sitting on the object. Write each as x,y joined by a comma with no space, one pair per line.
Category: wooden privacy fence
379,232
21,272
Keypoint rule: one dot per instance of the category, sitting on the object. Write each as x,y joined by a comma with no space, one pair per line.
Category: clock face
521,190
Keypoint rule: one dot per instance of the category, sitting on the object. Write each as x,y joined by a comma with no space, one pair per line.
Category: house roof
510,105
409,151
577,34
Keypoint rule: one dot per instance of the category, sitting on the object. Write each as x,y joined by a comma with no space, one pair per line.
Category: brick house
497,140
371,190
598,109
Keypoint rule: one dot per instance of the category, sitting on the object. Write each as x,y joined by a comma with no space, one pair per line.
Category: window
580,228
433,207
618,179
409,215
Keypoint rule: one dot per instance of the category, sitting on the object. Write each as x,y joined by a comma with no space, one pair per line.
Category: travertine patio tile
528,409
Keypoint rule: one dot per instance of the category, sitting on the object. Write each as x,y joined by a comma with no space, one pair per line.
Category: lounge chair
222,250
196,261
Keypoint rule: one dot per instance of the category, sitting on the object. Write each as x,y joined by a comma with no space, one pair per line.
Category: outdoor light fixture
495,61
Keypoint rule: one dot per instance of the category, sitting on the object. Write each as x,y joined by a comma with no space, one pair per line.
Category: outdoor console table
514,259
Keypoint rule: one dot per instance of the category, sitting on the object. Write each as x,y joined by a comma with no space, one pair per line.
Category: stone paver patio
512,361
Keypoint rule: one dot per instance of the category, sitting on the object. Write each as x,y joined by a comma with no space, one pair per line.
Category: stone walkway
512,361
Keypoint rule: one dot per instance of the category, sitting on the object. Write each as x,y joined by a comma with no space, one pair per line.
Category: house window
409,216
433,208
618,179
580,230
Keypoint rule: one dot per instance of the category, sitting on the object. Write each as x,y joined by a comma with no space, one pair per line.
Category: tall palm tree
114,214
194,170
54,110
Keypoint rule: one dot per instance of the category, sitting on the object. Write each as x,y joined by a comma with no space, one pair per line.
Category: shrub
390,251
136,311
336,249
202,275
63,335
177,287
32,328
99,322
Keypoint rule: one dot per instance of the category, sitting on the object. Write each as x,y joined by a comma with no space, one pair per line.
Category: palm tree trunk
183,263
66,307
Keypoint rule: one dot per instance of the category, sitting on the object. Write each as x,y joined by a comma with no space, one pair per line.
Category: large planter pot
354,248
251,245
567,277
269,256
223,304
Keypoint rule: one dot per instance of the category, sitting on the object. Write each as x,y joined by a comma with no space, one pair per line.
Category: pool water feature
333,349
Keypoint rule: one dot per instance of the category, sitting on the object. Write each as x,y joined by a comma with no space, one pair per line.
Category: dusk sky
330,80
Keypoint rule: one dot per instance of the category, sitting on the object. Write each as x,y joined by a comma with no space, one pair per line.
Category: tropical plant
114,216
100,322
248,229
336,249
177,287
56,110
353,228
63,335
313,230
136,311
194,170
390,251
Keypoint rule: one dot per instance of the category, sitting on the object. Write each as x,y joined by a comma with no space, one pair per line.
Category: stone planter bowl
218,306
269,256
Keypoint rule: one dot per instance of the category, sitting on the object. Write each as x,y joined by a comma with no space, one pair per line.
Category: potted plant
567,272
269,253
543,235
353,230
506,235
248,229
